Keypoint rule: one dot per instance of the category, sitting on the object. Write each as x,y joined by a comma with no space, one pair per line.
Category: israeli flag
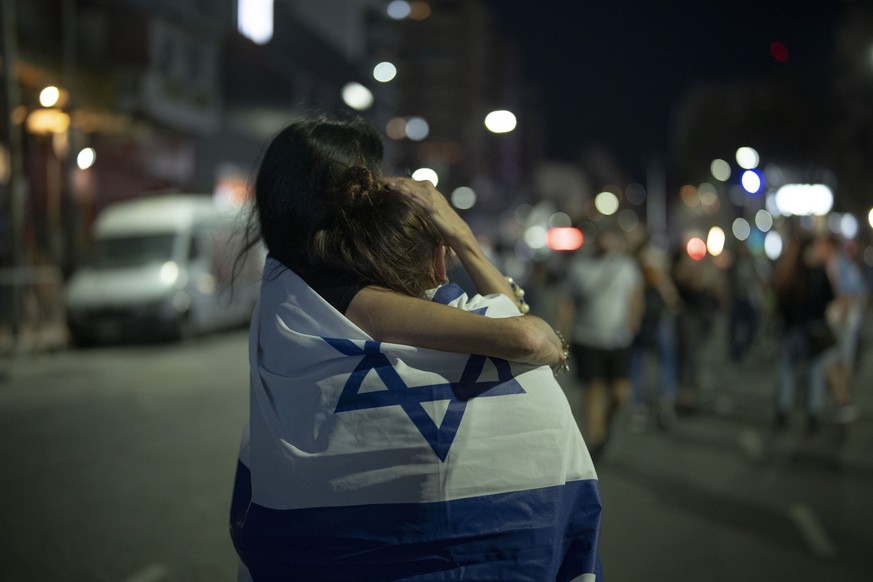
366,460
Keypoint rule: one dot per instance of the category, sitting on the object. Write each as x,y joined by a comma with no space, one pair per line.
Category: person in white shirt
602,309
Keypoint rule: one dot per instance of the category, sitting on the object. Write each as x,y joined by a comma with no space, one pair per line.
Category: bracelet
519,295
564,364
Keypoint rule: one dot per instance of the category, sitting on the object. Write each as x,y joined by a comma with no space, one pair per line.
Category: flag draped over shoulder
375,461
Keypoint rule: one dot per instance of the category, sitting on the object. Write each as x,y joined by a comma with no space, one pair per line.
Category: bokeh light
536,237
778,51
741,228
606,203
690,195
870,217
398,9
501,121
357,96
763,220
751,181
720,170
426,174
564,238
715,241
419,10
396,128
804,199
384,72
773,245
463,198
86,158
560,219
417,128
696,248
708,198
747,158
849,226
49,96
255,20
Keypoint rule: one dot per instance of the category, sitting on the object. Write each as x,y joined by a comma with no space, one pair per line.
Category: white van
162,267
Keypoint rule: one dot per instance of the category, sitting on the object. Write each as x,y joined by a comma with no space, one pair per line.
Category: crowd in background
640,316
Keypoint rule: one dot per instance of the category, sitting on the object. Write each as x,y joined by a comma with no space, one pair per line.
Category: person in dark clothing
803,292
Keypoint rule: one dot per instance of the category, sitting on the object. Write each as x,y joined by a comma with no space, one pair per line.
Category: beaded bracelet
564,364
519,295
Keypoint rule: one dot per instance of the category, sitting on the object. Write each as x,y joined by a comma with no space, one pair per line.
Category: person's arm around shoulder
391,317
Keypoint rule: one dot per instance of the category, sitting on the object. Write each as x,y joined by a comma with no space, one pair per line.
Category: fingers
421,191
409,185
424,193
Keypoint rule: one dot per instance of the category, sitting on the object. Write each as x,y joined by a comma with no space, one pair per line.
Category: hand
457,235
450,225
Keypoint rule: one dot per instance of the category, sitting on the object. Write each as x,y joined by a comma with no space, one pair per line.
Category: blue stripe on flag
447,293
409,398
542,534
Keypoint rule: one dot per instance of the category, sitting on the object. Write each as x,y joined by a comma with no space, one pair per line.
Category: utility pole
16,175
71,211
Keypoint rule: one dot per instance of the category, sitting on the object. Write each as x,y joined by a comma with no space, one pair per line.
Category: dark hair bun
358,185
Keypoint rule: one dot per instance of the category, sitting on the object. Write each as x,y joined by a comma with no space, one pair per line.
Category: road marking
813,531
151,573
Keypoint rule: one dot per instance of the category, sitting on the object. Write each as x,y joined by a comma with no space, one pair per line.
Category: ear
439,263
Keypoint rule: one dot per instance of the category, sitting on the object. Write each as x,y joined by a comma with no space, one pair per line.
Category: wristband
564,364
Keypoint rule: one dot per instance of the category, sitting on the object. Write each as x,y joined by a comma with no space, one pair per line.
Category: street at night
119,465
662,209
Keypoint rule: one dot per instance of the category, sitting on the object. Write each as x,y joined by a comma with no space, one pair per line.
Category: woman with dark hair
301,174
366,458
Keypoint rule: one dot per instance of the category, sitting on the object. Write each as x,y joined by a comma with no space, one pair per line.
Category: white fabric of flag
366,460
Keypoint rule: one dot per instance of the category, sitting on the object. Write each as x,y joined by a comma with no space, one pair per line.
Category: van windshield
132,251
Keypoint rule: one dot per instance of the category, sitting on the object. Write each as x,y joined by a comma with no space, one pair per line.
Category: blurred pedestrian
845,315
699,283
745,296
656,335
803,293
602,308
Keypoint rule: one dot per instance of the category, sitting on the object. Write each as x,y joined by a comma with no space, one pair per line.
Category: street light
49,96
500,121
50,118
357,96
86,158
747,158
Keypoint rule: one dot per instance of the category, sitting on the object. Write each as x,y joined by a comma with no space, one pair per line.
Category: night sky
613,71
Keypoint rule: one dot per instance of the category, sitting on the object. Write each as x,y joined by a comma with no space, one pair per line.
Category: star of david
410,398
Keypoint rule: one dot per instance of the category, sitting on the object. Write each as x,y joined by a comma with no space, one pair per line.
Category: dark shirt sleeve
335,287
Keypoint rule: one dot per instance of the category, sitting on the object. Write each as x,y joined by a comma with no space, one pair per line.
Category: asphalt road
118,463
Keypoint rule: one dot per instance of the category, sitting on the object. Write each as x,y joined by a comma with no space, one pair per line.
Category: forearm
484,274
390,317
